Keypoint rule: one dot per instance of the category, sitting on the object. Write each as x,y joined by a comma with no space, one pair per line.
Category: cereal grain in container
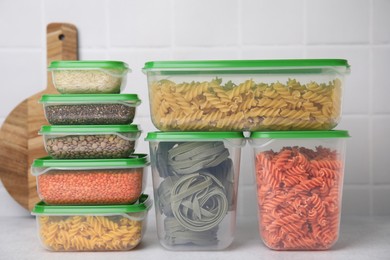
89,77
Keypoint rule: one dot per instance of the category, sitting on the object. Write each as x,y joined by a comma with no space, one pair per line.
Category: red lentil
114,186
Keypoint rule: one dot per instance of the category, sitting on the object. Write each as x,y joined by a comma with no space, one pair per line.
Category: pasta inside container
195,182
299,178
92,228
246,95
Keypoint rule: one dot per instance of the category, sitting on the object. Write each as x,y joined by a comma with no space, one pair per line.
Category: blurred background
136,31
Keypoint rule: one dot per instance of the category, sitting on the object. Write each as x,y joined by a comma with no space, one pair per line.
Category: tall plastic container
299,178
195,182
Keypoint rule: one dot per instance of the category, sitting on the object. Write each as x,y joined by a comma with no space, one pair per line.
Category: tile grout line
143,48
6,49
370,112
108,41
304,29
173,39
239,29
44,48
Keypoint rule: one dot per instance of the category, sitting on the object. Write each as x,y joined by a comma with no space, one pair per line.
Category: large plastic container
195,182
92,228
90,109
90,181
299,179
246,95
90,141
89,77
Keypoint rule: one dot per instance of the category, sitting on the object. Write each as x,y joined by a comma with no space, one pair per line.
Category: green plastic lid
134,161
91,98
143,204
235,64
192,136
84,64
69,129
301,134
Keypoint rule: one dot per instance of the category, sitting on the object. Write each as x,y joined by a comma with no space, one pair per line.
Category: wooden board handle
20,143
61,45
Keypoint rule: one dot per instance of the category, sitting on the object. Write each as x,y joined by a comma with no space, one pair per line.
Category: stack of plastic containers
91,184
289,107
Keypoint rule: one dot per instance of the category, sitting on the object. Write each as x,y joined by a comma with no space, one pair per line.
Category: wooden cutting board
20,143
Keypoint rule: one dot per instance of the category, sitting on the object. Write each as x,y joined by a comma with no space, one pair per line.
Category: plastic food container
90,109
299,187
90,181
246,95
90,141
195,182
92,228
89,77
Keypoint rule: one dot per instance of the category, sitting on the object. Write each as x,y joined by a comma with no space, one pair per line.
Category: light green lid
135,160
88,64
232,64
91,98
143,204
300,134
192,136
68,129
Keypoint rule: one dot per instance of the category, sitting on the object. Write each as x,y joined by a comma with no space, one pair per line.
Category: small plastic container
89,77
246,95
195,182
90,109
92,228
299,179
90,141
90,181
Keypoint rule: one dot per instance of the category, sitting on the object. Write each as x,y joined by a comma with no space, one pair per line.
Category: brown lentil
89,147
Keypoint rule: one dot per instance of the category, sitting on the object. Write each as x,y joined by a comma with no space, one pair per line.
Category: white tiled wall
137,31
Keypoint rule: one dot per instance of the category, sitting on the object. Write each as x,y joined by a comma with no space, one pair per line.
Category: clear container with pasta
195,182
92,228
246,95
299,176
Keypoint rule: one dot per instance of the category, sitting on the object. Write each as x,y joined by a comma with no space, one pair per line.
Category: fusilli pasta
299,197
89,233
247,106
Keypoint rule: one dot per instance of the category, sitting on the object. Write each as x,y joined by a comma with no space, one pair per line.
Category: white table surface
360,238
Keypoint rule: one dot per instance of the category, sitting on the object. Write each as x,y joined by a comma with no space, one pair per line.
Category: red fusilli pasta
299,197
